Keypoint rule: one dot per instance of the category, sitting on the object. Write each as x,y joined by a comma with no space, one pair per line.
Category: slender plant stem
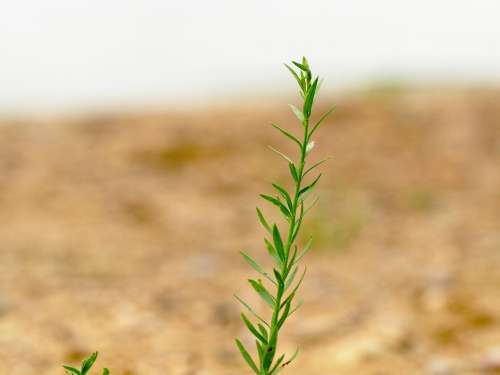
291,206
290,240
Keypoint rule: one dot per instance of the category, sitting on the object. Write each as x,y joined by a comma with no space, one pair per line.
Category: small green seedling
281,246
86,366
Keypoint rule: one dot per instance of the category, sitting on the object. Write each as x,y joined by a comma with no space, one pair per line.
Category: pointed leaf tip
246,356
71,370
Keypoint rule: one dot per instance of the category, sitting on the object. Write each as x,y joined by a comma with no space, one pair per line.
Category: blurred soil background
120,233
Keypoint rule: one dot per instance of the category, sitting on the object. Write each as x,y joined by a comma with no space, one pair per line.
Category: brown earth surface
120,233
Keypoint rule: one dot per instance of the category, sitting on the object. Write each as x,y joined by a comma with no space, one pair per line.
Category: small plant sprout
86,366
283,281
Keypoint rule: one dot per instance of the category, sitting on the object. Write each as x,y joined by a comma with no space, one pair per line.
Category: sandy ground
120,233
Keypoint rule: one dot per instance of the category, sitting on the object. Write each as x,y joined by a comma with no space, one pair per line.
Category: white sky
74,54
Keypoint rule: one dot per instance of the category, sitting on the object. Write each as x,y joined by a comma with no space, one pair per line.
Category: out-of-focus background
133,148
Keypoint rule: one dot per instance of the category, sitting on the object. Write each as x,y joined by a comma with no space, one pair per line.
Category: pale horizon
59,56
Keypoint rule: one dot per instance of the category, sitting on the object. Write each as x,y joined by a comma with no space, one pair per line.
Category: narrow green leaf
285,196
287,134
297,112
304,84
280,154
315,165
299,304
253,263
262,292
320,83
311,206
305,250
272,251
292,294
320,121
278,243
247,357
292,358
302,67
284,315
256,266
260,351
247,306
308,102
72,370
263,220
295,75
308,73
298,223
252,329
277,203
293,172
276,365
310,186
301,255
290,278
279,279
263,331
303,78
88,363
294,255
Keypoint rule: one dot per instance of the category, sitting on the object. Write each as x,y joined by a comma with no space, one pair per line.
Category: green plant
282,248
86,366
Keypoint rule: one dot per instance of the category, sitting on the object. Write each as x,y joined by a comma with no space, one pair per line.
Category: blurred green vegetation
181,154
339,219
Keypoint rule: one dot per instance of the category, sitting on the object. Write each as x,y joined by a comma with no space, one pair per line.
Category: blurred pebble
490,364
224,313
166,302
440,366
203,266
